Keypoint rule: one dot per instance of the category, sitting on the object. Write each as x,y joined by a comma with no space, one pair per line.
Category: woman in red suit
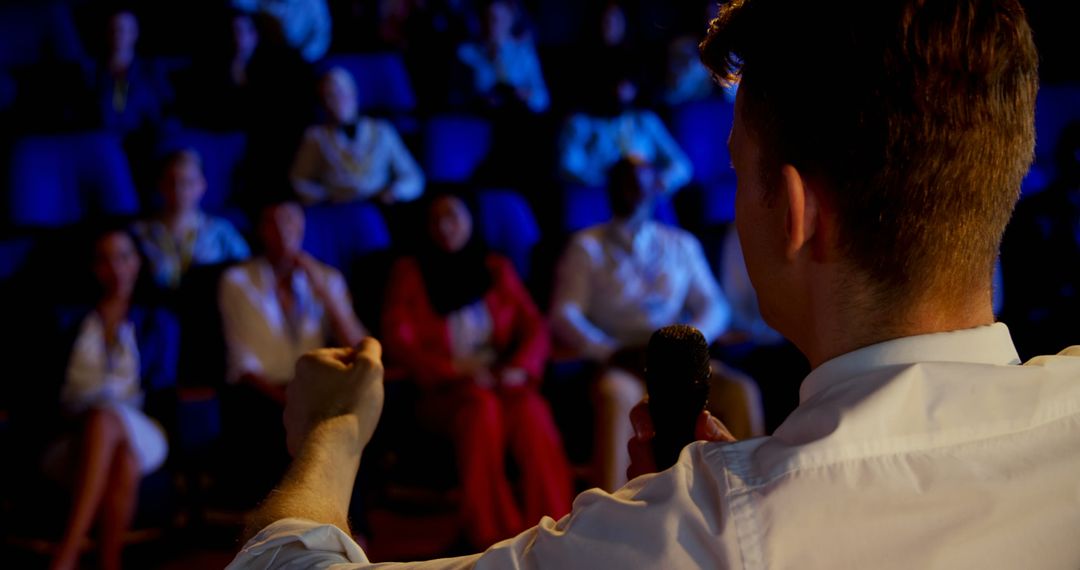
463,326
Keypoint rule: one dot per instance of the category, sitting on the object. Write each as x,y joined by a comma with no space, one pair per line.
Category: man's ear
802,210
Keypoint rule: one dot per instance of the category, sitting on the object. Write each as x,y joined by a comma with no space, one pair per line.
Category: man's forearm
346,328
319,484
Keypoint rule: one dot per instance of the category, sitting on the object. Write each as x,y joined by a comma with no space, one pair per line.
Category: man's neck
838,332
283,267
179,223
120,60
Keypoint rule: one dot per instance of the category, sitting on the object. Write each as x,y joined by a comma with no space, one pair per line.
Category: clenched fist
333,382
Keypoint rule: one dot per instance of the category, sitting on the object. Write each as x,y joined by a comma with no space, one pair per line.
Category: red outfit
484,422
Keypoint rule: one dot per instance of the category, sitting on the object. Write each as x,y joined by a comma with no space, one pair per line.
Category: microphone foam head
678,351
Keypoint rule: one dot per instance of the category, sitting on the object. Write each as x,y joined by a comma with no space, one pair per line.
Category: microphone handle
674,414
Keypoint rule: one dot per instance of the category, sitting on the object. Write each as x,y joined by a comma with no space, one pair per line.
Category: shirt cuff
299,543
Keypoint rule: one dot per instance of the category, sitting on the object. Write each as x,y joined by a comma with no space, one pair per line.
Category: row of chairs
58,180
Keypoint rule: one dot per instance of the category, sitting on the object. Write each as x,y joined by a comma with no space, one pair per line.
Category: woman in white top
121,355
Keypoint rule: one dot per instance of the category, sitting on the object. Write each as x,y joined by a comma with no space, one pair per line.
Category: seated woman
120,359
463,326
181,235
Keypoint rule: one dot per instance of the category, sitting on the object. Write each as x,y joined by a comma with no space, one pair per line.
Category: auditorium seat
454,147
507,225
707,149
57,180
354,239
32,31
1056,107
14,253
339,234
585,206
223,155
382,81
383,86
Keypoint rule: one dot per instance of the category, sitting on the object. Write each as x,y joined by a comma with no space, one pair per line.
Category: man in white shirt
620,281
274,308
870,218
353,157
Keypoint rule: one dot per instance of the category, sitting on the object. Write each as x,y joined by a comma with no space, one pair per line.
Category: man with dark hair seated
619,281
274,308
870,216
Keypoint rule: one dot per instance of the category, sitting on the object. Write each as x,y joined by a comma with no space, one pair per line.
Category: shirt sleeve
338,288
706,305
675,168
580,151
317,39
234,246
672,519
533,341
534,82
307,169
571,301
408,179
239,320
404,325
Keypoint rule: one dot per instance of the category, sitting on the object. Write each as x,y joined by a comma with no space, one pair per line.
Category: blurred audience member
274,308
591,143
121,360
506,70
353,157
131,92
620,281
182,235
461,323
1041,258
243,83
303,24
687,78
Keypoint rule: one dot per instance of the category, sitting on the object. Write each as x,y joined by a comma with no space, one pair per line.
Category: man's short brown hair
917,115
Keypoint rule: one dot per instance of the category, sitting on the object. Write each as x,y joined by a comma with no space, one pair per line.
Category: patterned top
213,240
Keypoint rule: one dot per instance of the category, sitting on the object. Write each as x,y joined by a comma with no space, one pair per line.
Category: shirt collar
989,344
621,234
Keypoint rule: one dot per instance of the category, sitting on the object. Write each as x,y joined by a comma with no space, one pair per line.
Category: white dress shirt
590,145
513,63
613,289
306,24
935,451
260,337
330,166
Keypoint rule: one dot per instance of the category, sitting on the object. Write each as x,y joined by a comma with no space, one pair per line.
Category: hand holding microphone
677,377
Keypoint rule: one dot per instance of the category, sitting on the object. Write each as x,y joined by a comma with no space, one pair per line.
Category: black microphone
677,373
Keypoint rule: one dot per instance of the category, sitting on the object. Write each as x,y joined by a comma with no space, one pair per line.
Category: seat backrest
14,253
340,234
507,225
58,180
31,30
701,129
382,80
585,206
454,147
222,156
